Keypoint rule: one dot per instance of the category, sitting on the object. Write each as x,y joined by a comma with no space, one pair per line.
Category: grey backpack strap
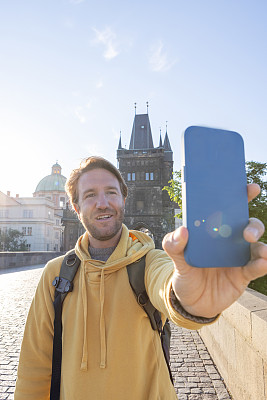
63,284
136,274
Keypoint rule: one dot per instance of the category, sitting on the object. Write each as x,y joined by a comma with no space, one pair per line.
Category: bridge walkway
195,375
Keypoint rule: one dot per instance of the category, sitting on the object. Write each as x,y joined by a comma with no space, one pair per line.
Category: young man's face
100,207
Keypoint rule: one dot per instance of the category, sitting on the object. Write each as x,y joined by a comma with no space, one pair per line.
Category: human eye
89,195
112,192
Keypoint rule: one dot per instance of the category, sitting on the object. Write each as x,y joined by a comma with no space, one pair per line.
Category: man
109,349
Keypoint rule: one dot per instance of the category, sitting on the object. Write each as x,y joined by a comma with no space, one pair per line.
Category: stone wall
21,259
237,343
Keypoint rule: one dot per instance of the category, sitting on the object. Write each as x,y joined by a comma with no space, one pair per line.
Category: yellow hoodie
110,351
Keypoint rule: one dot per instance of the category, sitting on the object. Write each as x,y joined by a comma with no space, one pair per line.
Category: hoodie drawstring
84,363
103,349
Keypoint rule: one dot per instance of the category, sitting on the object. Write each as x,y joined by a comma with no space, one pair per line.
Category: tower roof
141,137
167,145
120,146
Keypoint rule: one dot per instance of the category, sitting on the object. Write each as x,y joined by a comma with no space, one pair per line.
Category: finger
258,250
258,266
253,190
174,242
254,230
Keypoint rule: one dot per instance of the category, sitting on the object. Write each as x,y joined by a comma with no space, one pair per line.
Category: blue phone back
215,205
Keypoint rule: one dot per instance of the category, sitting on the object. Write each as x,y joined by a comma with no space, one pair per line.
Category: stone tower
146,170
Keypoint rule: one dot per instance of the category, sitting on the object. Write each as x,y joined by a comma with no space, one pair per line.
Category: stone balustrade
23,258
237,343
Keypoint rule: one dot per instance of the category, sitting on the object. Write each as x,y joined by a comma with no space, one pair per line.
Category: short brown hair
87,165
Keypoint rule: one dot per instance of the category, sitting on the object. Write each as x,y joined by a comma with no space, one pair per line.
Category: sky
71,71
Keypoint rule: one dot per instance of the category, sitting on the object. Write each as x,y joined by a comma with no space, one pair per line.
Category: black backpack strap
63,284
136,274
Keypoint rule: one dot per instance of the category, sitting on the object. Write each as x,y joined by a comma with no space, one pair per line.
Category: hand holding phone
215,205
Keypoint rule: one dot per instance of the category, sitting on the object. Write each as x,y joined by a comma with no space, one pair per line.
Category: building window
62,202
140,201
131,176
149,176
27,213
140,205
29,231
28,247
24,230
3,213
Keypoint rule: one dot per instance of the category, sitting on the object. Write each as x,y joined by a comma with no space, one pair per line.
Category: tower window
149,176
140,205
140,201
131,176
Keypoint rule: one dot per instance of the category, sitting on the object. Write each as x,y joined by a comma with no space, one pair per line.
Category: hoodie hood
132,246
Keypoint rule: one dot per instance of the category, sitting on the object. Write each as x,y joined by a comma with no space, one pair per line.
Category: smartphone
214,197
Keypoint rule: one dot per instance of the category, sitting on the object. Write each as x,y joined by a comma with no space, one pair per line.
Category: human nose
102,201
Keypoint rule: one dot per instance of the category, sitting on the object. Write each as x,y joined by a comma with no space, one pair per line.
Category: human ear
77,209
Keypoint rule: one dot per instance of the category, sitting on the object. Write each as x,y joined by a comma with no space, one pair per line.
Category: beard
108,230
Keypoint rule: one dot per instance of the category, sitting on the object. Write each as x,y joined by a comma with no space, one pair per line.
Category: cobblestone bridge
195,375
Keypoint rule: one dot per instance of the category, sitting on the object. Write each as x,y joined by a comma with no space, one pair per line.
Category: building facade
146,170
73,228
36,218
39,217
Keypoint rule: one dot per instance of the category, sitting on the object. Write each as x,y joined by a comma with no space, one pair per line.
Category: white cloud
158,59
107,38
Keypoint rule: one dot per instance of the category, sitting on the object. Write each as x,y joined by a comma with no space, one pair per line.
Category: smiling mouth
103,217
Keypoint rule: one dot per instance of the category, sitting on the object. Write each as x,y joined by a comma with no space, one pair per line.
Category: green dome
53,182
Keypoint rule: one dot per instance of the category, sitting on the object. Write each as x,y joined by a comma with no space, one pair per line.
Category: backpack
64,284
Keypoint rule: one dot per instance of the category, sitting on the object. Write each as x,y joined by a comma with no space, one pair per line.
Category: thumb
174,242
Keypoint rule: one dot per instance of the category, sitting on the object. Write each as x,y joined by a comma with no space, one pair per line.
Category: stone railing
21,259
237,343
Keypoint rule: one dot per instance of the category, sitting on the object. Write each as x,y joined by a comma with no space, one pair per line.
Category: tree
12,240
175,191
256,172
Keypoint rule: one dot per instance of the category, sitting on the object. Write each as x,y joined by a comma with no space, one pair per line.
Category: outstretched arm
208,291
